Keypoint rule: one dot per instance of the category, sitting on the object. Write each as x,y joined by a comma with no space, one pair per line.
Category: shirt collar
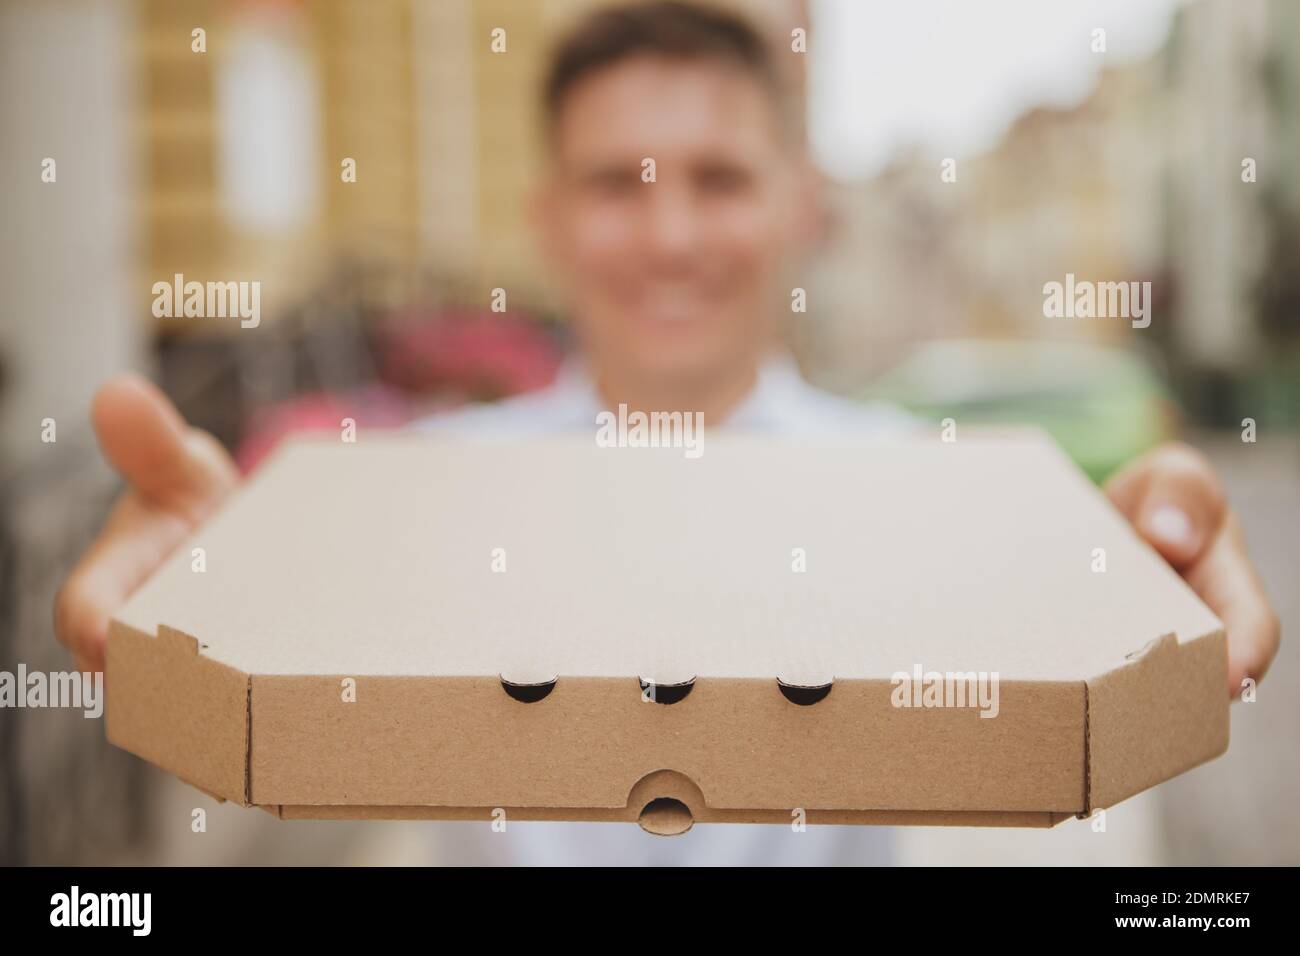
779,384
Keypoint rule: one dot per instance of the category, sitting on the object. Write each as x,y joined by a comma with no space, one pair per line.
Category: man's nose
672,221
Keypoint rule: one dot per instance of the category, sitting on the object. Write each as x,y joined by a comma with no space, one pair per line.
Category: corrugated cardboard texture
376,561
1162,714
177,709
592,740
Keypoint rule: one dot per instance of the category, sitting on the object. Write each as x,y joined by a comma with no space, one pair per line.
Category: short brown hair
665,28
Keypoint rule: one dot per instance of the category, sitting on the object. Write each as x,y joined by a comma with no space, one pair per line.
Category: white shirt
781,402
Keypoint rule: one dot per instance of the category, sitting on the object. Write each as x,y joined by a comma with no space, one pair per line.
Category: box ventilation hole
665,816
802,694
666,693
528,693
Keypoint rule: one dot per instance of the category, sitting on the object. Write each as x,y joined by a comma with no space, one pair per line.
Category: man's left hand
1174,500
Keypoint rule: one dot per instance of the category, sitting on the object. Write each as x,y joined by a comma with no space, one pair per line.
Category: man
674,287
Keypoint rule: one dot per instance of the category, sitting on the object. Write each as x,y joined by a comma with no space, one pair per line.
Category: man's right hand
176,476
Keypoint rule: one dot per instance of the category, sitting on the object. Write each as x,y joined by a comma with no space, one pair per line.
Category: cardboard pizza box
908,631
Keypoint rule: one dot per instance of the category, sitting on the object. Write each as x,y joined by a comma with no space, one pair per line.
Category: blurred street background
1170,156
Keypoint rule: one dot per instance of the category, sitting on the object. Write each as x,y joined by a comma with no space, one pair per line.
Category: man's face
678,278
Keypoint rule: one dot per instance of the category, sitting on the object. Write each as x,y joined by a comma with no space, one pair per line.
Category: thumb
144,437
1174,500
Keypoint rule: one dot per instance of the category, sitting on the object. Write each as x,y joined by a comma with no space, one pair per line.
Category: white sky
951,75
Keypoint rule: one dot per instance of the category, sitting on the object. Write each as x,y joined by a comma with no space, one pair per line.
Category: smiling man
674,287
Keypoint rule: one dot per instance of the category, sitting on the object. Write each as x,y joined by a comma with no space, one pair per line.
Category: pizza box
907,631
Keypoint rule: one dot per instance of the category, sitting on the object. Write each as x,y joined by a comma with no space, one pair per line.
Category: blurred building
437,111
1140,182
1232,75
919,257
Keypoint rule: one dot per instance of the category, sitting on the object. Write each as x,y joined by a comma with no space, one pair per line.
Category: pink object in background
372,406
428,361
476,354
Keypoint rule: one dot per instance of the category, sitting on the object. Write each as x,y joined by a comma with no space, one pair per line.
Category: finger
145,438
1227,581
1174,500
136,539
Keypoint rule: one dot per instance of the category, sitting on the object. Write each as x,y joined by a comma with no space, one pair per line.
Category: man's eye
613,182
722,179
